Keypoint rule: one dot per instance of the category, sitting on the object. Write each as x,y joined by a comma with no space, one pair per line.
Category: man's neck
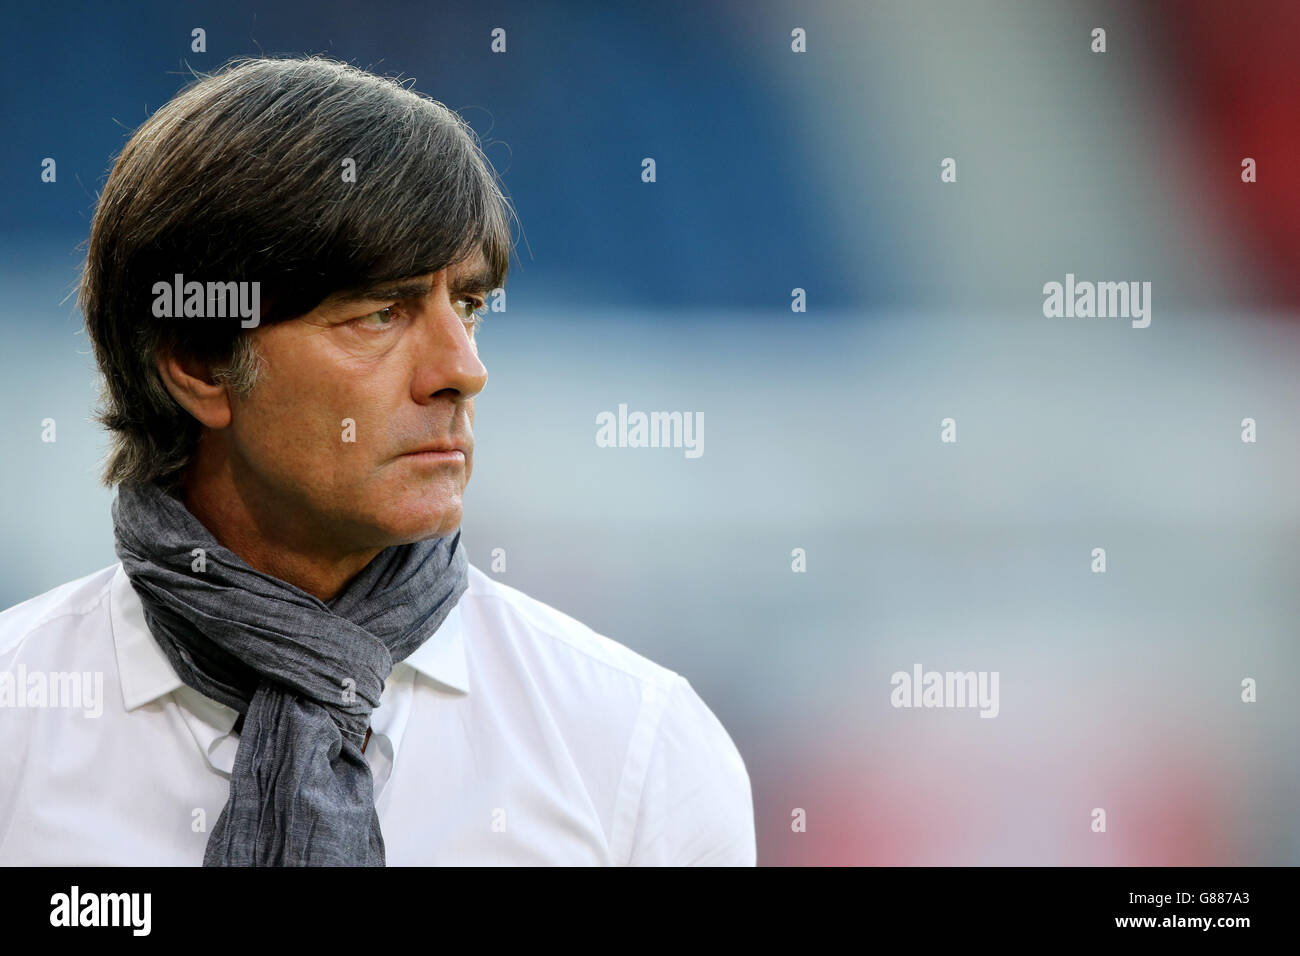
263,539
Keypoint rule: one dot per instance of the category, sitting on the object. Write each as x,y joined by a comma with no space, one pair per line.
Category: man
298,665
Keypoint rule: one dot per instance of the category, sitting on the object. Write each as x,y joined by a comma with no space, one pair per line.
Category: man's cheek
312,441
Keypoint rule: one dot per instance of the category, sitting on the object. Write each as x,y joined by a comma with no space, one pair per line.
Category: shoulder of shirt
73,599
545,623
650,715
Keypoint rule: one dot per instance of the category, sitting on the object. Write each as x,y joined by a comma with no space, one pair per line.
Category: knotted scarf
305,674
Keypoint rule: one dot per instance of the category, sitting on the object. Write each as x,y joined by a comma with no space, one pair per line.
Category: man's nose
447,362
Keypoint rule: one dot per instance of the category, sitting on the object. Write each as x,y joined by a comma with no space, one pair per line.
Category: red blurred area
927,799
1237,72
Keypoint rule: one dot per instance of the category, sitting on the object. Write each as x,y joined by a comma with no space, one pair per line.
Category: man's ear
190,382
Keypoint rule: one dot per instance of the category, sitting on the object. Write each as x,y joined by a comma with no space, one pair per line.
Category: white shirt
514,735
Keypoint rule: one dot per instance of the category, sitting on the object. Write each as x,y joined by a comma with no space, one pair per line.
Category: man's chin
412,528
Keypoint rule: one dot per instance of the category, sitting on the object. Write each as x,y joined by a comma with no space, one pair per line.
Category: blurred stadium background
821,171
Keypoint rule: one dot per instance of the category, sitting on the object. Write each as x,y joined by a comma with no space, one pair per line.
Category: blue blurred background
779,170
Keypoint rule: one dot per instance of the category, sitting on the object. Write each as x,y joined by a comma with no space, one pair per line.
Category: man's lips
439,451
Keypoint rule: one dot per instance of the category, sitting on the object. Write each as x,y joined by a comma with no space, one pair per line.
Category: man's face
359,433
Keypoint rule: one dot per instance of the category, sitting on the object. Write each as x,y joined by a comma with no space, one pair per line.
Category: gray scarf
305,675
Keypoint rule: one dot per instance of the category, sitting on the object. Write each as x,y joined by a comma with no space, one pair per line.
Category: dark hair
240,177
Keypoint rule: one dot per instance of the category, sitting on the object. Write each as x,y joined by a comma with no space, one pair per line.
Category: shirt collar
146,674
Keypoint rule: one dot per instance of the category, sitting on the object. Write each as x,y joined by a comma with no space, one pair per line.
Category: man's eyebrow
481,280
382,291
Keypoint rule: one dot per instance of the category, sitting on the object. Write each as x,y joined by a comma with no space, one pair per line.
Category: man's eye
378,320
468,306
